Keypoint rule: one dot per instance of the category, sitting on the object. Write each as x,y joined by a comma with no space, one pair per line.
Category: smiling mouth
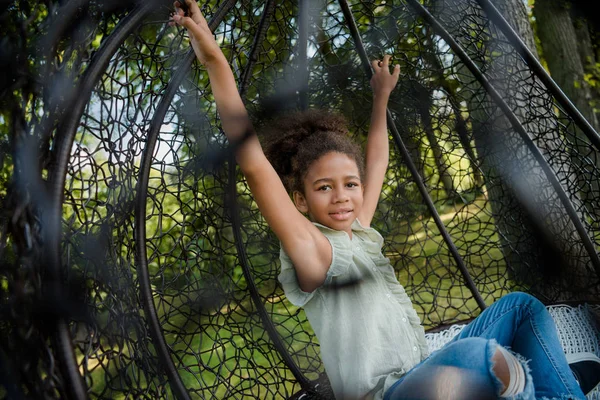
341,215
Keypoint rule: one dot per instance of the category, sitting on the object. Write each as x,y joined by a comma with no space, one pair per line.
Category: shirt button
403,319
357,248
415,348
388,295
374,268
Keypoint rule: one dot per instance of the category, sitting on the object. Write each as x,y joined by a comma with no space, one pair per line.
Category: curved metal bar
516,124
61,340
52,226
48,43
260,308
75,387
409,163
258,39
237,224
537,68
68,127
146,297
88,81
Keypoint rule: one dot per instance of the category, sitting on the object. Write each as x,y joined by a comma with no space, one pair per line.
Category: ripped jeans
462,368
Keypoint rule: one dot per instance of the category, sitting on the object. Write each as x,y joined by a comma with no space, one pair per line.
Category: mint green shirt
369,332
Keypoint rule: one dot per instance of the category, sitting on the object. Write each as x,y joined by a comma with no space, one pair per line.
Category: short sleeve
372,242
341,259
289,282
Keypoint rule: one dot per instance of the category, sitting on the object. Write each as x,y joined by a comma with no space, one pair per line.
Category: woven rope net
135,263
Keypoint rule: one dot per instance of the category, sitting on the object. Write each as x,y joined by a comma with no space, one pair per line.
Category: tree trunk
541,246
564,49
424,108
460,124
412,143
463,136
587,48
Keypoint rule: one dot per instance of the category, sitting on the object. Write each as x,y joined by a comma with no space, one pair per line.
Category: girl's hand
382,81
202,39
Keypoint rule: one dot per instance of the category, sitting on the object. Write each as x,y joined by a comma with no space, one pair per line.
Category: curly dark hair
294,141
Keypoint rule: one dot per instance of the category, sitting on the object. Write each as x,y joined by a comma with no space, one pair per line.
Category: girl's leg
522,323
462,370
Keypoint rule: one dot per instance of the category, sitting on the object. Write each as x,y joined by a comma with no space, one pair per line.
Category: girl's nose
340,196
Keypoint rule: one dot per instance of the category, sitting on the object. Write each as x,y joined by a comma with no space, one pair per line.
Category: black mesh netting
132,252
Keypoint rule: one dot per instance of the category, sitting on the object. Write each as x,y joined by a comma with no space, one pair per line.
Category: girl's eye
352,184
324,188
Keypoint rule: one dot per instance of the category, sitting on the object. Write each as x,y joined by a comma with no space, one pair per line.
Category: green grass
428,270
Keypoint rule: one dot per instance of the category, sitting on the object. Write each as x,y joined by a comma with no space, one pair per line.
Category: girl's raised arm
377,151
303,242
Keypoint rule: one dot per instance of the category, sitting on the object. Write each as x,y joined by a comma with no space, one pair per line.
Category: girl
371,340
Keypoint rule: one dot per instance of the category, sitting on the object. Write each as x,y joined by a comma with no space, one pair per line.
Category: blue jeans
462,368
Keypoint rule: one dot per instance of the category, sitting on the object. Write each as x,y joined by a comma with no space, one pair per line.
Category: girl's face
333,192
